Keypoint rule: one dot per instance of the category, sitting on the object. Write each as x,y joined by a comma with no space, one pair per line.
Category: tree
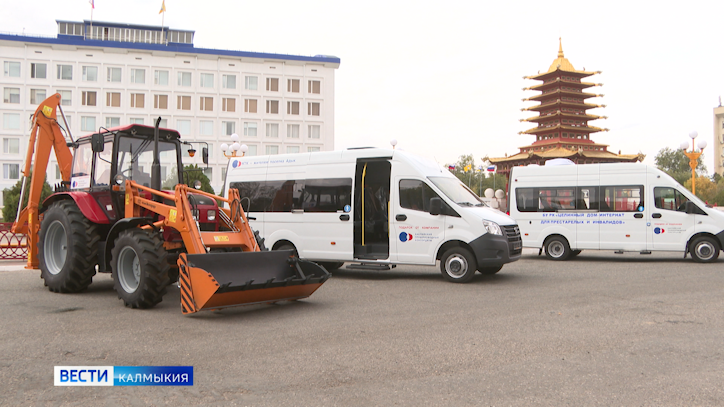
676,164
12,196
705,189
192,173
475,177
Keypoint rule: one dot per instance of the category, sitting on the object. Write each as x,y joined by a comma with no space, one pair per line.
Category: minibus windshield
457,191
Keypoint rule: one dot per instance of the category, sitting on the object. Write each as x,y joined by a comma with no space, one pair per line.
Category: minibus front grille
515,242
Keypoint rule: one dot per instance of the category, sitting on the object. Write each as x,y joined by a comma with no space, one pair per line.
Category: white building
117,74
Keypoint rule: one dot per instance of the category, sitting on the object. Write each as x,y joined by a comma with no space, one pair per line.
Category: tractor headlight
211,215
492,227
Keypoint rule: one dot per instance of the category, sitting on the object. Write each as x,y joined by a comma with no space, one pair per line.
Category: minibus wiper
464,203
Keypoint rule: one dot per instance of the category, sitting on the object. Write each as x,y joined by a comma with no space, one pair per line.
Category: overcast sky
446,78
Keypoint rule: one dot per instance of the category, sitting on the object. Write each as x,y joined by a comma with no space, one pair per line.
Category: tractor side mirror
205,155
97,144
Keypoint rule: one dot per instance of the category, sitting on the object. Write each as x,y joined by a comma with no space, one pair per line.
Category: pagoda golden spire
560,48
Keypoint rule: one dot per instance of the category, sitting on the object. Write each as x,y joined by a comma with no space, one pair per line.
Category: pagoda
562,124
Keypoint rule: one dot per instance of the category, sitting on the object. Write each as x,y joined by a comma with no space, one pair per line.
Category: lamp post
234,147
693,156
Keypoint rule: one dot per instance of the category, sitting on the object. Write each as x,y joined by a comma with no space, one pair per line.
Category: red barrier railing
12,246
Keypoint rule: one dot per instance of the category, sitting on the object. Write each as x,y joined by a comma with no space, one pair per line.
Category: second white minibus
564,209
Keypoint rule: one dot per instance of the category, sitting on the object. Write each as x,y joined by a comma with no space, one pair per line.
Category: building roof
174,48
562,64
566,153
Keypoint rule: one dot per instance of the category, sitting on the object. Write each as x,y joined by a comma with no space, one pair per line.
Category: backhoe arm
44,135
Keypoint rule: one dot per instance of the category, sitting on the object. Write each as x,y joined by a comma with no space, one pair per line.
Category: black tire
288,246
490,270
331,265
704,249
458,265
67,248
557,248
575,253
139,266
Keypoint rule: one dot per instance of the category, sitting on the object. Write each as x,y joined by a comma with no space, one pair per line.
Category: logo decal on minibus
404,236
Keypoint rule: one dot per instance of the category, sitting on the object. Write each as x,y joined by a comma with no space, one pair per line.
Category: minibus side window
415,195
525,199
312,195
621,199
554,199
669,199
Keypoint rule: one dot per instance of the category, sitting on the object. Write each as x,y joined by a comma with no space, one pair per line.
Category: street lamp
234,147
693,156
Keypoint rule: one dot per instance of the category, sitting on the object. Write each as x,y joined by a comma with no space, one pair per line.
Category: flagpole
91,23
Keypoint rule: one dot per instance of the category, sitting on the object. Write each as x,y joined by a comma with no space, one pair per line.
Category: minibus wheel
557,248
489,271
704,250
458,265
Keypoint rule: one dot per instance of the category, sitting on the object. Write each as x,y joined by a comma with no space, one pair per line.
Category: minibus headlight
211,215
492,227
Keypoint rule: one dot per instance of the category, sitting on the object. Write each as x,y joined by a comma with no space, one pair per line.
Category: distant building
562,129
117,74
718,146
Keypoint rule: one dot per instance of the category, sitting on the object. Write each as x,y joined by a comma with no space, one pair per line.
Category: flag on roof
92,3
163,7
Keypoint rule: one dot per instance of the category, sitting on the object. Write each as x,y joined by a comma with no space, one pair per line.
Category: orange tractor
147,228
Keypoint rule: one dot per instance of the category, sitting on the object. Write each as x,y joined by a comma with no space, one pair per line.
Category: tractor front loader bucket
218,280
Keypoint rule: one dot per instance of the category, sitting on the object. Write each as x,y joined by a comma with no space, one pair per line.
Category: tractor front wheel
140,270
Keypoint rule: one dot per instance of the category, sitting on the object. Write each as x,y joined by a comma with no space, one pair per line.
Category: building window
313,149
90,74
206,128
251,82
11,146
11,95
313,87
183,127
293,108
272,150
136,120
138,100
113,99
88,98
293,85
249,129
209,172
11,171
228,104
68,119
38,70
206,80
113,122
292,149
87,123
65,72
292,131
313,109
228,128
163,123
138,76
250,105
114,75
272,84
160,101
11,121
314,131
206,103
160,78
184,79
228,81
37,96
272,130
272,106
183,102
11,69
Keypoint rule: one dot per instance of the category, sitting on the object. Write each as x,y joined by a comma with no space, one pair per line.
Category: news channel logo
123,376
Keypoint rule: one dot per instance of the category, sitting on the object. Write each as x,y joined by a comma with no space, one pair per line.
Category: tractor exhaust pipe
156,166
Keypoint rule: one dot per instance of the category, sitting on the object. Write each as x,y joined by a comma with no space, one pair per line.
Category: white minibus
564,209
374,207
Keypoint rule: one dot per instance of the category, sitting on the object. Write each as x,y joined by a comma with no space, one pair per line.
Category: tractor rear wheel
139,267
67,248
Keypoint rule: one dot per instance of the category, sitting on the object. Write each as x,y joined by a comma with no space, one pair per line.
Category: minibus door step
645,252
366,266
